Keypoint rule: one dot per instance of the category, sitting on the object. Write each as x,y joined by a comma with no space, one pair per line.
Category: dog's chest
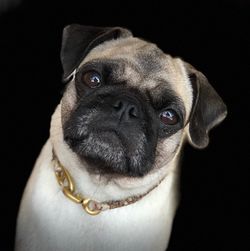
137,227
61,224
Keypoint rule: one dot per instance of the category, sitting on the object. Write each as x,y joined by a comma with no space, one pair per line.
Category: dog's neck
91,206
97,186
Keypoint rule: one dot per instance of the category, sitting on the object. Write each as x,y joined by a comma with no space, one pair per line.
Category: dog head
128,107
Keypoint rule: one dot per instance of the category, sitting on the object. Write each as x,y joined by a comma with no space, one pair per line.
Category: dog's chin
109,153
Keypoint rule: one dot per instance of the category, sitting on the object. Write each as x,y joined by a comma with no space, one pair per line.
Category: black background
213,36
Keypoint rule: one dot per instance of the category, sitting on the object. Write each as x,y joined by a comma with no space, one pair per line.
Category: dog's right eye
92,79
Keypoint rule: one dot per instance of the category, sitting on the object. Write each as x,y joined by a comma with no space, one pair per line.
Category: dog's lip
102,130
95,130
74,140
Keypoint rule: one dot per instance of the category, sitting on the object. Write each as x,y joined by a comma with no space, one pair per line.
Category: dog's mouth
111,151
113,133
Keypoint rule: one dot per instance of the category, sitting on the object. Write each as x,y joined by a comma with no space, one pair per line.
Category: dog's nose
126,108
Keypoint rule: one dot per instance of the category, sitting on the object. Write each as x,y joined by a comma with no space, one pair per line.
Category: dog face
128,107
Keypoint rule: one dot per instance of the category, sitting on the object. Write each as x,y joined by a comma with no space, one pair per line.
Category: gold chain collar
91,206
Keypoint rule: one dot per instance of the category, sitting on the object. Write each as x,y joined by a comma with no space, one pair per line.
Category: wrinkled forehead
143,65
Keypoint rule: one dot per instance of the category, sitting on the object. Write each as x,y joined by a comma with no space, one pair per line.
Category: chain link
68,187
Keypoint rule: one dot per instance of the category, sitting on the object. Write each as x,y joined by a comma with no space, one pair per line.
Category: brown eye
92,79
169,117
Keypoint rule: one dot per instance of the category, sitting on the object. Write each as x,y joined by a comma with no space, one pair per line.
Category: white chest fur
49,221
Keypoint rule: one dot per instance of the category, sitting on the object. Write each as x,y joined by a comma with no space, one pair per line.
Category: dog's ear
78,40
208,109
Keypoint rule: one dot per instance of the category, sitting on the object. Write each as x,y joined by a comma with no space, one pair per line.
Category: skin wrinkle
135,67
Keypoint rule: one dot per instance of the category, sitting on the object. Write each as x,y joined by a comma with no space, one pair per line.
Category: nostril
133,112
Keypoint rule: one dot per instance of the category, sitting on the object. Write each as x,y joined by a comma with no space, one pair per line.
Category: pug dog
107,178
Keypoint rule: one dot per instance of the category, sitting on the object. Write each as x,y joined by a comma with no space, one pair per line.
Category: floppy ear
208,109
78,40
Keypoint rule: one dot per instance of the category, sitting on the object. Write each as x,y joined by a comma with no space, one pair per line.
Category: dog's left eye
169,117
92,79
